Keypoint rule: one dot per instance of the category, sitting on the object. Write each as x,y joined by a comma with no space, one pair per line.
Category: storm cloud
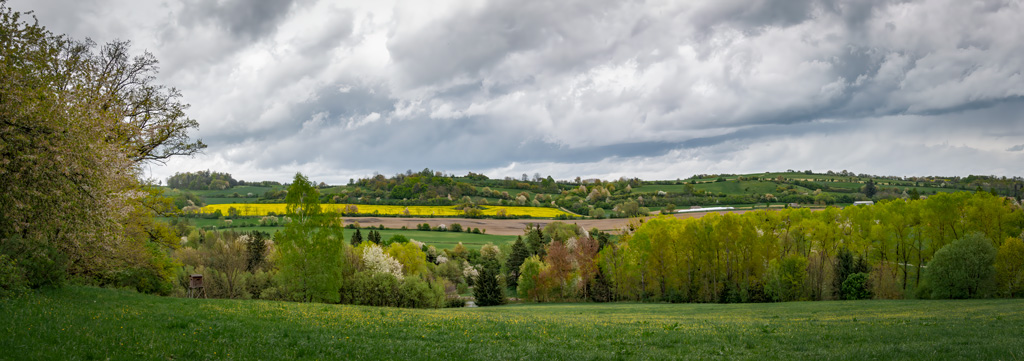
657,90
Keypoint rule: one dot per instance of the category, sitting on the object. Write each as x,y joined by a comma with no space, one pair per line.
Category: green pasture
440,240
83,323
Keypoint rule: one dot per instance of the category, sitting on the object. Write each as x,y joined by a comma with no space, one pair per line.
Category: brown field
510,227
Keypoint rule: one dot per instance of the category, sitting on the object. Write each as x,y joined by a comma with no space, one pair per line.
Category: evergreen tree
870,189
600,288
519,254
357,238
489,289
535,239
256,249
847,265
914,194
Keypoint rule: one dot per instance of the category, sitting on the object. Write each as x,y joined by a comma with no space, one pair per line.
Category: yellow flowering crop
262,209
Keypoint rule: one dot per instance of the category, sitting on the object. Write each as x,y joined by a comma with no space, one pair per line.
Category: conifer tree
489,289
519,254
357,238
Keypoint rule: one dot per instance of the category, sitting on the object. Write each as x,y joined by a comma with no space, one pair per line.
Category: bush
12,278
371,289
41,263
455,302
384,289
417,293
856,287
963,269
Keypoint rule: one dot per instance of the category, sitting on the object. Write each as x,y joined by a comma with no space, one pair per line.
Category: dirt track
507,227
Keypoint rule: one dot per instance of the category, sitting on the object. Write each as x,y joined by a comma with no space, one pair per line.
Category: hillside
601,199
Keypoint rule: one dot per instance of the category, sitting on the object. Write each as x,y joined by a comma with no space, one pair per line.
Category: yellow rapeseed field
262,209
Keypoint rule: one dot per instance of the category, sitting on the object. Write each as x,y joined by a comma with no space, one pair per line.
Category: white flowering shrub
376,260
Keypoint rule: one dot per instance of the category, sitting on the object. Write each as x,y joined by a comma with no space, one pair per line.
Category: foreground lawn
78,323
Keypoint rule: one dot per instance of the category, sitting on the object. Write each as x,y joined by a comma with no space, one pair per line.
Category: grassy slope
730,187
440,240
88,323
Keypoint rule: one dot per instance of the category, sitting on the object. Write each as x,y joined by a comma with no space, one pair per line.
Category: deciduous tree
311,247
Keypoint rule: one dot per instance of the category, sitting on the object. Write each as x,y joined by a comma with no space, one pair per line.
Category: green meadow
440,240
85,323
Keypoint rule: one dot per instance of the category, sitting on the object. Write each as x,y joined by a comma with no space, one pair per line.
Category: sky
592,89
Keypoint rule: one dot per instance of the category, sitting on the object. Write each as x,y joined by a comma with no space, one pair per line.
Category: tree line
895,249
946,246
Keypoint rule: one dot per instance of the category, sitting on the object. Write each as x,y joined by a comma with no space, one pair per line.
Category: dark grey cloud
247,20
589,88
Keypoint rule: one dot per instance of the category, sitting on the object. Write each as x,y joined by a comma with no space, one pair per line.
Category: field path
510,227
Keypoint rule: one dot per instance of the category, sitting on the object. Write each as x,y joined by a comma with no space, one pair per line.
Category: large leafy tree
1010,267
963,269
311,247
76,124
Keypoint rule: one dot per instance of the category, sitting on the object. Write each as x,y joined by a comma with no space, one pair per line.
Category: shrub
417,293
455,302
12,278
259,283
963,269
371,289
856,287
41,263
398,238
846,264
383,289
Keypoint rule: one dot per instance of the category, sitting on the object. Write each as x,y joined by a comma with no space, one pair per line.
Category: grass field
731,187
82,323
441,240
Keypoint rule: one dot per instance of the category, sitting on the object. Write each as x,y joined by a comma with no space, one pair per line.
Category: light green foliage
963,269
412,258
560,232
398,238
786,278
1010,267
311,248
383,289
743,257
528,273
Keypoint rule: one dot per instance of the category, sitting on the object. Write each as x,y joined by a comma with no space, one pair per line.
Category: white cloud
659,89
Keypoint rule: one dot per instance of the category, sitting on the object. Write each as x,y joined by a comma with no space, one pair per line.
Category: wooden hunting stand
195,286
